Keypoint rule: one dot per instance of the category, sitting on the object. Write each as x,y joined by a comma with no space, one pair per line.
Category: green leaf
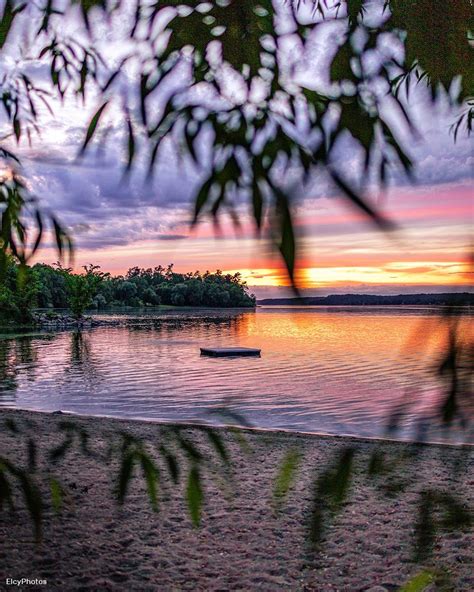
286,234
202,198
404,159
59,451
63,240
33,501
376,463
286,476
56,494
17,128
218,443
329,493
8,16
143,95
425,528
171,462
355,8
257,203
39,236
188,448
93,125
336,483
194,495
131,144
456,514
150,472
125,475
453,516
419,582
382,222
189,138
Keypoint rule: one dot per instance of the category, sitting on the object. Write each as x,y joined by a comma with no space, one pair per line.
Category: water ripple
325,371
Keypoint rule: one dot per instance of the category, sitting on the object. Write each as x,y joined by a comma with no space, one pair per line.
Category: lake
325,370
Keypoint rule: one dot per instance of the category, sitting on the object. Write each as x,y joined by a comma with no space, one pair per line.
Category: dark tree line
444,299
53,286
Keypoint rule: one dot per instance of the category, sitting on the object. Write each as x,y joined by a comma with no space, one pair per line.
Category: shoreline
243,543
223,427
60,320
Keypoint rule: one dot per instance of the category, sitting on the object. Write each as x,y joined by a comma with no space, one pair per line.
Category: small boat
225,352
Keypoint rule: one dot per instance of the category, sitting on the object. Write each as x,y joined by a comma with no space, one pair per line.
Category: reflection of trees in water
450,411
81,359
80,349
200,325
8,368
17,356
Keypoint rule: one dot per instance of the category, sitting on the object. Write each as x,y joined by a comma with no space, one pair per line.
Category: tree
100,301
126,291
150,297
82,288
52,288
179,294
18,293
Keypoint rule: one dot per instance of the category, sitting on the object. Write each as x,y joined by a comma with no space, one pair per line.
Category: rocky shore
58,321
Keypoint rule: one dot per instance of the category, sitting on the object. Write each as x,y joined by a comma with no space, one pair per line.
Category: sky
119,223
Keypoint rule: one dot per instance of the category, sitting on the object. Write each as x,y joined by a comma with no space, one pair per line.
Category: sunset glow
339,250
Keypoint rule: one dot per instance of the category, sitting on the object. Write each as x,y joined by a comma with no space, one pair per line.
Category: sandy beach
243,543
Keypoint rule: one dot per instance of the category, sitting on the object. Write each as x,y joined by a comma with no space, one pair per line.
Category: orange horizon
337,248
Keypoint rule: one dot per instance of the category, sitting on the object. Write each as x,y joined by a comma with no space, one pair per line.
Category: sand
243,543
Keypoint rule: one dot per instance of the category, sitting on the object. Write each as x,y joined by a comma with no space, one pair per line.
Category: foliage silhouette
46,286
170,452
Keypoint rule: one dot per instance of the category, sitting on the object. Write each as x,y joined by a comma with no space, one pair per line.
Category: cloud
105,211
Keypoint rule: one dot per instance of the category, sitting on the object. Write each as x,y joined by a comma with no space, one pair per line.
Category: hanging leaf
125,475
358,201
194,495
131,144
8,16
218,444
286,476
32,496
419,582
171,462
330,490
93,125
286,235
56,494
202,198
151,474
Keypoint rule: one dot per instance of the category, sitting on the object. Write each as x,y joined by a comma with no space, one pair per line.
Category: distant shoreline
444,299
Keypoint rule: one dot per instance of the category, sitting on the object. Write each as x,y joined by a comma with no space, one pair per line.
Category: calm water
334,370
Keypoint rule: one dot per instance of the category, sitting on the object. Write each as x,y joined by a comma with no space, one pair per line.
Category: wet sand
243,543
